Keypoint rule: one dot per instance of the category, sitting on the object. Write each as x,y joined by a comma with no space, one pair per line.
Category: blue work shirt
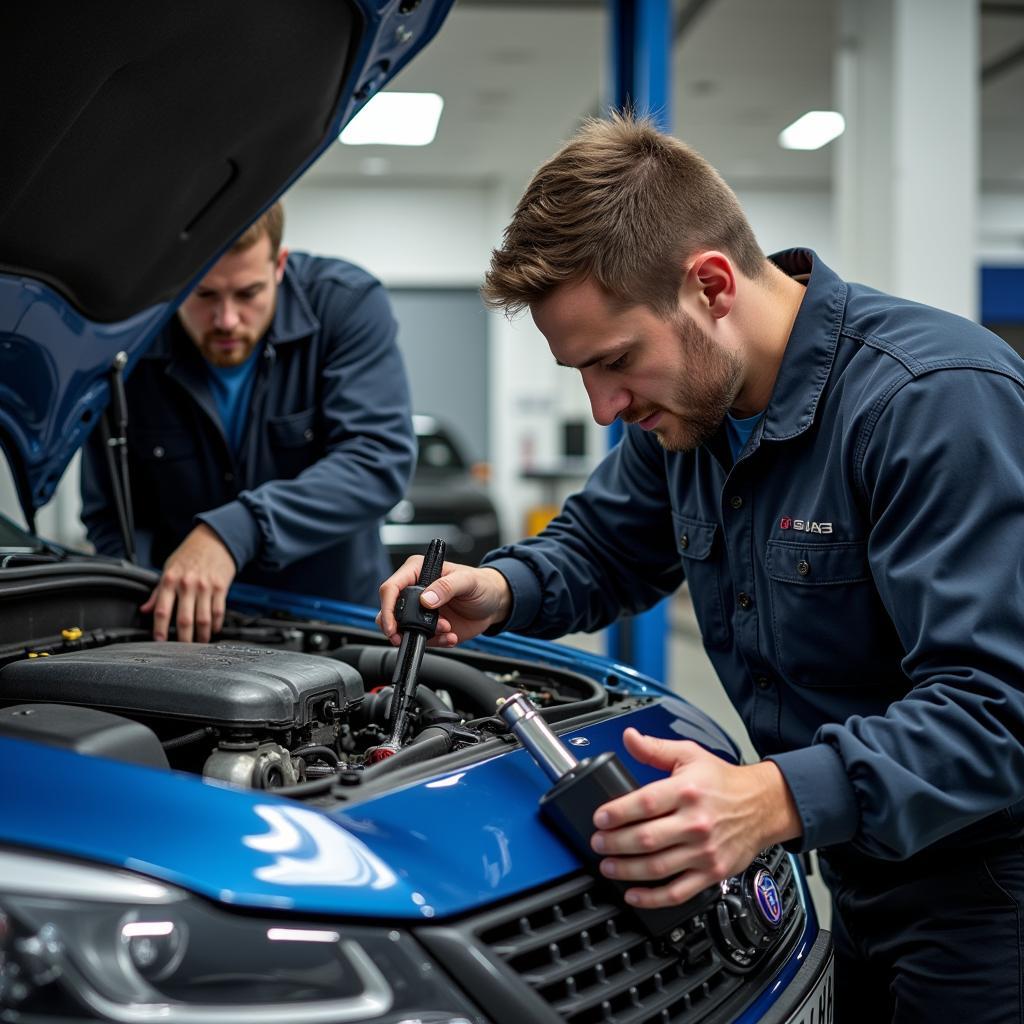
231,387
857,574
328,446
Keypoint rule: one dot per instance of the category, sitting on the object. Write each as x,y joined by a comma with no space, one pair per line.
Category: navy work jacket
327,450
857,574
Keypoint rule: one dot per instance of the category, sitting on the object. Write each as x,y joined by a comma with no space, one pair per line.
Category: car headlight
130,949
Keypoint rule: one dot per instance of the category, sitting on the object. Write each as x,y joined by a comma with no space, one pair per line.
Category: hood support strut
115,440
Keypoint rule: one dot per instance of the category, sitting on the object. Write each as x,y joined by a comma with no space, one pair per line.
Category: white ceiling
517,75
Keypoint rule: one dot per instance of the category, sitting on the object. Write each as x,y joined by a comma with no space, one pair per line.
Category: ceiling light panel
812,131
396,119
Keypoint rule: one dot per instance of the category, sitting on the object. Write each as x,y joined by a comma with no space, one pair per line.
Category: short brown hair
624,204
270,223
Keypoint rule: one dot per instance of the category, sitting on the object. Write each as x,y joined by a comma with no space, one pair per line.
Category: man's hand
472,599
196,576
705,822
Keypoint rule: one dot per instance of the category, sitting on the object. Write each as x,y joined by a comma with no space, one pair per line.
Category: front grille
581,953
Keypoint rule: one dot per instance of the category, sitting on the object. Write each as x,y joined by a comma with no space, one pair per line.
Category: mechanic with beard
838,475
269,431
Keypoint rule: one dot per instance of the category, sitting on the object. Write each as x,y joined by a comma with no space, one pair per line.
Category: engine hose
376,665
323,753
376,706
559,712
312,787
427,699
189,737
430,743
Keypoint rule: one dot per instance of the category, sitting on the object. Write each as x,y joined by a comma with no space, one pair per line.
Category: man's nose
225,316
607,399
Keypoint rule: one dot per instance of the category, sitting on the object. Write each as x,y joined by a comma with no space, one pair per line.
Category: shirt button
763,682
308,434
684,541
803,567
158,452
229,477
736,501
744,600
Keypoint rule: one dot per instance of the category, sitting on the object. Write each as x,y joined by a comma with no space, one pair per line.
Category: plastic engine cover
220,684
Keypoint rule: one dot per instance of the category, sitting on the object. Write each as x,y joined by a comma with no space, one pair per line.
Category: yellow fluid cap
72,633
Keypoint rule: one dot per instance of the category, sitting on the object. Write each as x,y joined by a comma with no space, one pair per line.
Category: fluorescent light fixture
813,130
396,119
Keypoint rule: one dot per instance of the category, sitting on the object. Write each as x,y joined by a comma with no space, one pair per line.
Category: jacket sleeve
98,512
610,551
371,447
943,476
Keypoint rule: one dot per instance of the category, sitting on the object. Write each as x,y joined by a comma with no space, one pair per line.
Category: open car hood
137,144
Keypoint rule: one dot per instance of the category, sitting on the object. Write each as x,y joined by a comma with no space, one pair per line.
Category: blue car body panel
438,847
441,847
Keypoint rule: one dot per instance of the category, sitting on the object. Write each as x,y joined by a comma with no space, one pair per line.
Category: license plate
817,1007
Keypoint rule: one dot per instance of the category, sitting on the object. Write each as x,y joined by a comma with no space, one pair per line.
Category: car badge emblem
769,899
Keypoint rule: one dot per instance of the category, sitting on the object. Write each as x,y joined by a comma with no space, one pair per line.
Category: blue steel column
641,53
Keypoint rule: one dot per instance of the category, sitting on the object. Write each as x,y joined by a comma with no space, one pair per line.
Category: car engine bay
272,704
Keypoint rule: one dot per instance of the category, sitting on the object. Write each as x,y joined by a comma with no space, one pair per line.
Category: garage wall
426,235
443,336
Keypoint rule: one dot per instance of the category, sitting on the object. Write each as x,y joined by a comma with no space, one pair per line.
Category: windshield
438,455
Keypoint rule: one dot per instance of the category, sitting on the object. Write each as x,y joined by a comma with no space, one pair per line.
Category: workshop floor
695,679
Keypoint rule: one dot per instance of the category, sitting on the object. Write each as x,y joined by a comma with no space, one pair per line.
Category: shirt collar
293,316
811,347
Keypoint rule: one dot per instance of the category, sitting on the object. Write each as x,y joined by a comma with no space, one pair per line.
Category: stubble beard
225,359
706,390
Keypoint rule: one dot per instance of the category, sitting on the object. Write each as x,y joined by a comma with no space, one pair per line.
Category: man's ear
282,258
713,278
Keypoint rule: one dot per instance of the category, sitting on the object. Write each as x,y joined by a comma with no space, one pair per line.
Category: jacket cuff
825,798
525,588
237,529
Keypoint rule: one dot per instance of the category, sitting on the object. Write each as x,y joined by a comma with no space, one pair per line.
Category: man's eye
617,364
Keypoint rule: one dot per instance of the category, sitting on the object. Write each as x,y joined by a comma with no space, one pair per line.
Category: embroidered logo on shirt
804,525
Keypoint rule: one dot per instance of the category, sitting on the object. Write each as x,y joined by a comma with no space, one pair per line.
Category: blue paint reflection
310,849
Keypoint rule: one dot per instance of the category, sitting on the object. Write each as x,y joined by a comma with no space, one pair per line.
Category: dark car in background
448,498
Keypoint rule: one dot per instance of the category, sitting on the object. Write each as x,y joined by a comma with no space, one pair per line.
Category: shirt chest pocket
699,549
296,430
292,443
828,623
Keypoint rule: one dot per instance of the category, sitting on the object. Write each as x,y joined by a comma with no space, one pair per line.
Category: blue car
200,834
